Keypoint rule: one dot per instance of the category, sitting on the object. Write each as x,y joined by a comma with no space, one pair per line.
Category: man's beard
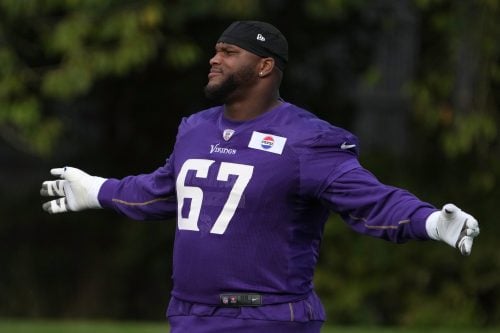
220,93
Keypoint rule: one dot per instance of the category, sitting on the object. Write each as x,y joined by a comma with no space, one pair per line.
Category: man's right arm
142,197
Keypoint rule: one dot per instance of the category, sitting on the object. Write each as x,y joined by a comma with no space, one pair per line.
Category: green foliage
94,44
413,285
457,89
64,48
472,132
332,9
182,54
76,44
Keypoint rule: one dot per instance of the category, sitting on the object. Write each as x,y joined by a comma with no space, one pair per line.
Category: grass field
19,326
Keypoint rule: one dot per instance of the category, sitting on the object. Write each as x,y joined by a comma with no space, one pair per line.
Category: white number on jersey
201,166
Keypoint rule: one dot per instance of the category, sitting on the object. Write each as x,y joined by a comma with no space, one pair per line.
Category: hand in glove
77,191
454,227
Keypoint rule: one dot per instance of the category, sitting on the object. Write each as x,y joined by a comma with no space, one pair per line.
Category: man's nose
214,60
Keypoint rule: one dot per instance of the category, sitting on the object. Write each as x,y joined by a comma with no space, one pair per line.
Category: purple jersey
251,200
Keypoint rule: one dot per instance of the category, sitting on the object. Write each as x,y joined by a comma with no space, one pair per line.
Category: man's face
232,70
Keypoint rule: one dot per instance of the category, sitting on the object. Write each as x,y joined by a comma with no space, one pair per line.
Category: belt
238,300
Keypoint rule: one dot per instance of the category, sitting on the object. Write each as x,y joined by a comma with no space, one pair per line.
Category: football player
252,182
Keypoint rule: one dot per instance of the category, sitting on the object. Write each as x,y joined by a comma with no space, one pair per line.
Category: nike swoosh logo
346,146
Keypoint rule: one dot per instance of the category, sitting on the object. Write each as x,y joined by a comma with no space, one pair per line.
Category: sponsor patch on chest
267,142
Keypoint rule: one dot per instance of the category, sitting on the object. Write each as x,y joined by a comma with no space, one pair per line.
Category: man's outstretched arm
394,214
141,197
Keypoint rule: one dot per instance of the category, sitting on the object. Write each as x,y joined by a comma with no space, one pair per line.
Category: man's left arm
394,214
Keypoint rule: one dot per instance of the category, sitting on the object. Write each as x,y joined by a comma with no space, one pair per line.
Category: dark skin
257,81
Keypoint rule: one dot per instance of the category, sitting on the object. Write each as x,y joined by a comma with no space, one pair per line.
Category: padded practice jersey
251,199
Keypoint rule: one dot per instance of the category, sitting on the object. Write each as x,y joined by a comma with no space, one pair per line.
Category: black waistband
238,299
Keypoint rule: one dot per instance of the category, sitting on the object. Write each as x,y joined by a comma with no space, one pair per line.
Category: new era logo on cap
261,38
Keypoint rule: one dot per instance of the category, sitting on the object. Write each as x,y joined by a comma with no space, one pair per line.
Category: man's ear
266,66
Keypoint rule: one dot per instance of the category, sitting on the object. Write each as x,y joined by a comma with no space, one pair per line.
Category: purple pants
304,316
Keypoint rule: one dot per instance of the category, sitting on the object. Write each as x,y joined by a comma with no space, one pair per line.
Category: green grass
43,326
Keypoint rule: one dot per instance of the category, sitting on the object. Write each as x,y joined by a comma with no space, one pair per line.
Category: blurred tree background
103,84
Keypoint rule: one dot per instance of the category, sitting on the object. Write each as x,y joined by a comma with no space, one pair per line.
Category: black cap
260,38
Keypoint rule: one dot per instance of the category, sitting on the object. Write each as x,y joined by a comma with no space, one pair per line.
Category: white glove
78,191
454,227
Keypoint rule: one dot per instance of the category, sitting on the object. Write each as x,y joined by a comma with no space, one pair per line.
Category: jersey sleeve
331,173
325,156
142,197
372,208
